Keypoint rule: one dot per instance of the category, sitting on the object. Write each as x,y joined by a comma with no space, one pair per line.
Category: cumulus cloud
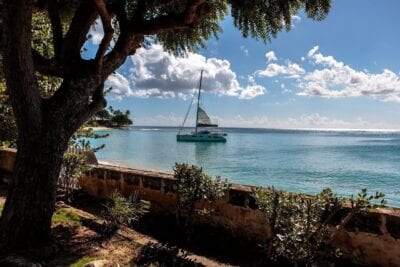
271,56
120,86
336,79
291,70
331,78
251,91
161,74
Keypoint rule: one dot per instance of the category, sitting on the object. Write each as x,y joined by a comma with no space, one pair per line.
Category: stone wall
372,239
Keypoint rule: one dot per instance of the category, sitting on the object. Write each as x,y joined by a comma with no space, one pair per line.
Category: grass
65,216
82,261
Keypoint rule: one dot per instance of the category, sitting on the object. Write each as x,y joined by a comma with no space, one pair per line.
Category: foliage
122,210
65,216
293,220
362,203
365,202
81,139
299,224
194,186
159,254
83,261
8,128
72,168
112,117
263,20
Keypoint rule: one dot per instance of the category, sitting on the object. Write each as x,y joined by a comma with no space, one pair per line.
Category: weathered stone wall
372,239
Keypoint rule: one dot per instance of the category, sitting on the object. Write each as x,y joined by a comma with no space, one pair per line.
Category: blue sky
343,72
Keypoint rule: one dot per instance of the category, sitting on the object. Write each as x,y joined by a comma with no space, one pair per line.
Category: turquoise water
300,161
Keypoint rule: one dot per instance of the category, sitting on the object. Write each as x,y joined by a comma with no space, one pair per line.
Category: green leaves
263,19
299,224
296,224
193,186
364,201
123,210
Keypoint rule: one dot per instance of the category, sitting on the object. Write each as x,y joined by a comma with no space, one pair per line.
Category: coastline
98,128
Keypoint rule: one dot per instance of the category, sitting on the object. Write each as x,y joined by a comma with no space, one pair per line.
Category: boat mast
198,101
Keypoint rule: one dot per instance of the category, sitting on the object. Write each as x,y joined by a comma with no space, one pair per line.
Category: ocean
303,161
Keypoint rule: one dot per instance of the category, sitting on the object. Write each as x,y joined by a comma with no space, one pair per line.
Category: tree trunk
26,218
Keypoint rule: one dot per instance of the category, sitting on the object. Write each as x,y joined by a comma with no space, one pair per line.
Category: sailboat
205,130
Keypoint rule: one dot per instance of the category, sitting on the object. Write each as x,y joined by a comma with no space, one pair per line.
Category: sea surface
294,160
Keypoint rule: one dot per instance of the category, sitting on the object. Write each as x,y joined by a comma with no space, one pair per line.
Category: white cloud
120,86
303,121
153,92
245,50
161,74
296,19
96,32
313,51
251,91
271,56
291,70
336,79
331,78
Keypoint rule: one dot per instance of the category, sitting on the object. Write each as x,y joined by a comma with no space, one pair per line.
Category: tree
46,122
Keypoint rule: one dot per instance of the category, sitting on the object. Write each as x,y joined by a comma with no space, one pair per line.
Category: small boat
205,130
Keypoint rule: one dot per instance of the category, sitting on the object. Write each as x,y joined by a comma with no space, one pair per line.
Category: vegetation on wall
196,192
299,224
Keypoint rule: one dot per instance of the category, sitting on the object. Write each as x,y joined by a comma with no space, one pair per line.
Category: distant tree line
111,118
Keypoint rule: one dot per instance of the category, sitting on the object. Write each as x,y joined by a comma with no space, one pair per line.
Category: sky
339,73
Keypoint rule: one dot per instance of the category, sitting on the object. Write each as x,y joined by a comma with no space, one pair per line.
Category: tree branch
56,27
19,73
46,66
191,10
108,32
84,17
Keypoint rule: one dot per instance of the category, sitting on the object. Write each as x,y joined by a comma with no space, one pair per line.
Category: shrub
122,210
193,186
299,224
73,167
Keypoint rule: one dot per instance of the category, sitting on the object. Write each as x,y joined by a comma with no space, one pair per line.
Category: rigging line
187,114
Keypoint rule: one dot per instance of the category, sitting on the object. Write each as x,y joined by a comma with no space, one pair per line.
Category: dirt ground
77,244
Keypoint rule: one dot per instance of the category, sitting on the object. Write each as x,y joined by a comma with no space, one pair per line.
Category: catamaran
205,130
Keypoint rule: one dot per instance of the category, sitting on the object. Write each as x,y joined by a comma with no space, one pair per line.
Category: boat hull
200,138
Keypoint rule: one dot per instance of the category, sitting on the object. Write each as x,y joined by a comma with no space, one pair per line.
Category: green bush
193,186
299,224
122,210
73,167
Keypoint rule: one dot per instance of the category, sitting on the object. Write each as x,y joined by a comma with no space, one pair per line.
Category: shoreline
98,128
